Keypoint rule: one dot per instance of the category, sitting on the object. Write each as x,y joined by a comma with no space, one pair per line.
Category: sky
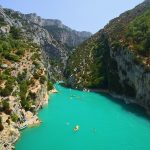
81,15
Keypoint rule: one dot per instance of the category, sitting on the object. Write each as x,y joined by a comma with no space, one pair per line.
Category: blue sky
82,15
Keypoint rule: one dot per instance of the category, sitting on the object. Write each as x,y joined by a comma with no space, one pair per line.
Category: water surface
104,124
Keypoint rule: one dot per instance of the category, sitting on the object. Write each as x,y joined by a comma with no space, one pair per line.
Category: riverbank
125,99
11,131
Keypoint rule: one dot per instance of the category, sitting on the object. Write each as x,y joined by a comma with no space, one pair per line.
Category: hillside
30,60
23,85
116,58
59,31
55,50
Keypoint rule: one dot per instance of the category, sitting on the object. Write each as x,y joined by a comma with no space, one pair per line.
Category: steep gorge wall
116,58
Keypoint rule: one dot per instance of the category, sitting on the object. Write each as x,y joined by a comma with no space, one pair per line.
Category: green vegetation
8,87
2,22
139,33
49,86
35,56
20,52
26,104
23,89
10,56
15,32
6,107
37,65
43,79
1,126
21,77
14,117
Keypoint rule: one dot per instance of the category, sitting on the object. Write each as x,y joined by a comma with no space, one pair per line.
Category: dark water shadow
135,109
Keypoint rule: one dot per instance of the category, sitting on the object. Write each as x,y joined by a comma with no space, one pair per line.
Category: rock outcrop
60,31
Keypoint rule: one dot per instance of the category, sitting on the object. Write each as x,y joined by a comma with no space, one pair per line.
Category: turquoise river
105,124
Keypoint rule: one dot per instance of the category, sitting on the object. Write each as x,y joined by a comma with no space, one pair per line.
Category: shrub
21,77
10,56
36,76
5,105
5,92
36,64
1,48
20,52
42,79
26,104
49,86
35,56
6,46
8,87
14,117
15,32
23,89
32,95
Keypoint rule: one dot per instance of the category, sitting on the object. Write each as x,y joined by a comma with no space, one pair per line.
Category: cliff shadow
131,107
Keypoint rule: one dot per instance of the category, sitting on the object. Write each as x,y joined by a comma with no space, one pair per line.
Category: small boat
76,128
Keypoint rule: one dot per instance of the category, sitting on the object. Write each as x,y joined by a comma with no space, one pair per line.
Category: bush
8,87
36,64
14,117
23,89
42,79
12,57
36,76
5,105
26,104
6,46
21,77
1,48
49,86
20,52
35,56
5,92
15,32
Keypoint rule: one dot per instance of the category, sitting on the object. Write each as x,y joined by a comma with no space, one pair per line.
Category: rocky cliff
33,27
23,86
116,58
60,31
24,82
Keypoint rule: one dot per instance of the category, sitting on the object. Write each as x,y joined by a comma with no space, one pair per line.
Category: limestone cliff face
116,58
60,31
134,78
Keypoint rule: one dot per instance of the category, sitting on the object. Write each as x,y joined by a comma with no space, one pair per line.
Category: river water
104,124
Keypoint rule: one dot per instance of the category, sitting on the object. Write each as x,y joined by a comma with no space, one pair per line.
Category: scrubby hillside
24,83
116,58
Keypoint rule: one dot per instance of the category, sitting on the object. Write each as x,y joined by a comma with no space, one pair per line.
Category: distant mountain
60,31
117,58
